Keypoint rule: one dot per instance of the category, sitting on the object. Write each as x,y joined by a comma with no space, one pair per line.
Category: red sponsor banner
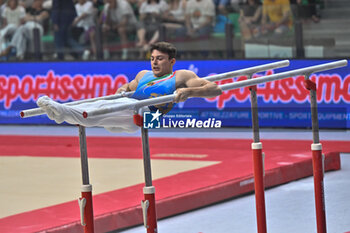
58,87
331,88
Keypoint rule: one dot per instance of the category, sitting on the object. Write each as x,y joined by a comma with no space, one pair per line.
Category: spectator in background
98,4
118,16
135,5
250,18
305,10
200,17
35,17
98,7
174,18
235,5
12,17
312,7
85,22
276,17
221,6
2,7
63,13
150,19
47,4
25,3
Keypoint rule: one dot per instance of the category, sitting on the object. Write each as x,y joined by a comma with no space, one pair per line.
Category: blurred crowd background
33,30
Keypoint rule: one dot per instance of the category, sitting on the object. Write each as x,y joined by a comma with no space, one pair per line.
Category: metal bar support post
258,159
148,204
317,159
85,201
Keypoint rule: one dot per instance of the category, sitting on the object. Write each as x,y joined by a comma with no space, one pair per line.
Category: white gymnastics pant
121,121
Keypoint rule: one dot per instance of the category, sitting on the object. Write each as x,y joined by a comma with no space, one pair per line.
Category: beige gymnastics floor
28,183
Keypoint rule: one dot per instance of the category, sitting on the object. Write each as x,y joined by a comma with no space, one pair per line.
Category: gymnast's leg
121,121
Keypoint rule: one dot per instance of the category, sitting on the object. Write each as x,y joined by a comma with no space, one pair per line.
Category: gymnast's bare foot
53,109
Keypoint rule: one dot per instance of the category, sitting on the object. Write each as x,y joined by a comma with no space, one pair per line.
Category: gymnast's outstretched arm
188,84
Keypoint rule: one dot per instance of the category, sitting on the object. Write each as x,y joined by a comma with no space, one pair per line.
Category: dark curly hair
164,47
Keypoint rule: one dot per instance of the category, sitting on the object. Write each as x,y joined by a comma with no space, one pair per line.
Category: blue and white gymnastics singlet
150,86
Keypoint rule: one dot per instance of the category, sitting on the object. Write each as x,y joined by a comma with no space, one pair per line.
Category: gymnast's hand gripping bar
225,87
246,71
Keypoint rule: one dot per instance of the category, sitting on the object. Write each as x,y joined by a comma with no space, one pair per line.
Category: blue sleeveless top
150,86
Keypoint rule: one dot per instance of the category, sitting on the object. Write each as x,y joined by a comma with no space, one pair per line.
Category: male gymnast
161,80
